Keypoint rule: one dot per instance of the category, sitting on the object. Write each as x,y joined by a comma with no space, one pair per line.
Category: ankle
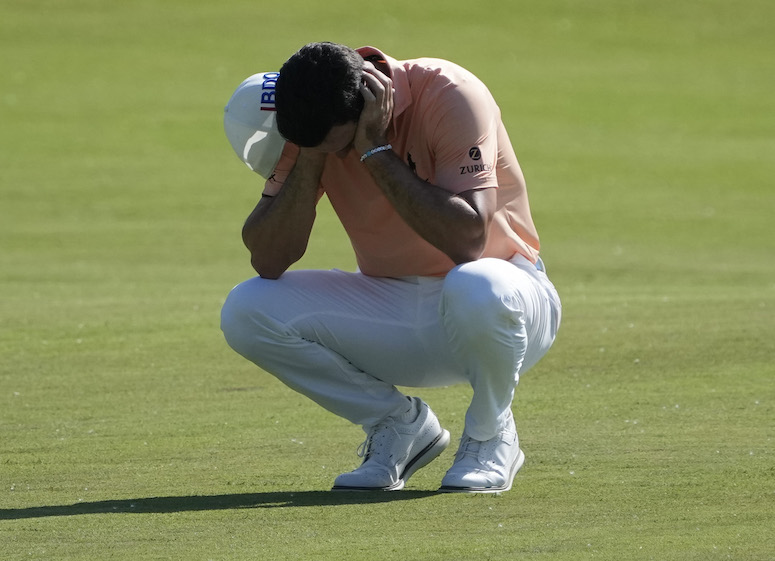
411,414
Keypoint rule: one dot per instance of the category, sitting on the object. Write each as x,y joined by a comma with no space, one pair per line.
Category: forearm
456,224
449,222
277,231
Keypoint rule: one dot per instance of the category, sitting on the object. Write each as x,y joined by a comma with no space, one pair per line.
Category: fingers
370,71
377,91
377,83
366,92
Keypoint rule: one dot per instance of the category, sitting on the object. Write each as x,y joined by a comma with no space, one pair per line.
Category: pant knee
234,318
244,317
476,296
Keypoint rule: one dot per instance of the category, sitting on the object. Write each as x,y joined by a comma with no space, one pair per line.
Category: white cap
250,124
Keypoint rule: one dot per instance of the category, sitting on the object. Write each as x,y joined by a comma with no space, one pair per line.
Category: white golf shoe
485,466
394,449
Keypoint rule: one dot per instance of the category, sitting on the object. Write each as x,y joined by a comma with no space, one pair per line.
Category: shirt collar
402,97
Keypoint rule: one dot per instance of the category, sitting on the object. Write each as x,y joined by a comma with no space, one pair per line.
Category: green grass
128,429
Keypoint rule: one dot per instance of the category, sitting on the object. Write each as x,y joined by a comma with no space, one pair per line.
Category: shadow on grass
214,502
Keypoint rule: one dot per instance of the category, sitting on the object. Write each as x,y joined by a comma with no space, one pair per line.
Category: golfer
416,162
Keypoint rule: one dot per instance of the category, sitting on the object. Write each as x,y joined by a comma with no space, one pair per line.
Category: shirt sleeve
464,135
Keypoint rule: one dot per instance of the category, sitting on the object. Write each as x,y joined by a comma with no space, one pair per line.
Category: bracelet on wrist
376,150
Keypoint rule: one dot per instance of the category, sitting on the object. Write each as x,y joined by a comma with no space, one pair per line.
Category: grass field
128,429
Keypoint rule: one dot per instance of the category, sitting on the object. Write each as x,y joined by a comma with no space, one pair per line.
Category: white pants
346,340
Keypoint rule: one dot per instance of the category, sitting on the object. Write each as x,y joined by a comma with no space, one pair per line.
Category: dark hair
318,88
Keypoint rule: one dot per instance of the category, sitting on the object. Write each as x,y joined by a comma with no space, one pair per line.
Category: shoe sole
426,456
515,467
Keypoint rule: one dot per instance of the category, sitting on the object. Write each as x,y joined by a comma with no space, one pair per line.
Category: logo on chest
410,161
413,166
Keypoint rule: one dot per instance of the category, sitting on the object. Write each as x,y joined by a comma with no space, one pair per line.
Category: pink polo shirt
447,127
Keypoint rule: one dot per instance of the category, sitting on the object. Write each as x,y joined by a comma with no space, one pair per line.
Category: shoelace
468,448
368,448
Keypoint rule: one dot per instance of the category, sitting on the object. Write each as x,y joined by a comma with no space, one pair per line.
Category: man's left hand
377,92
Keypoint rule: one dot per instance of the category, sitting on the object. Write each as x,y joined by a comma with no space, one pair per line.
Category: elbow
268,269
470,238
272,266
466,254
470,249
272,273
